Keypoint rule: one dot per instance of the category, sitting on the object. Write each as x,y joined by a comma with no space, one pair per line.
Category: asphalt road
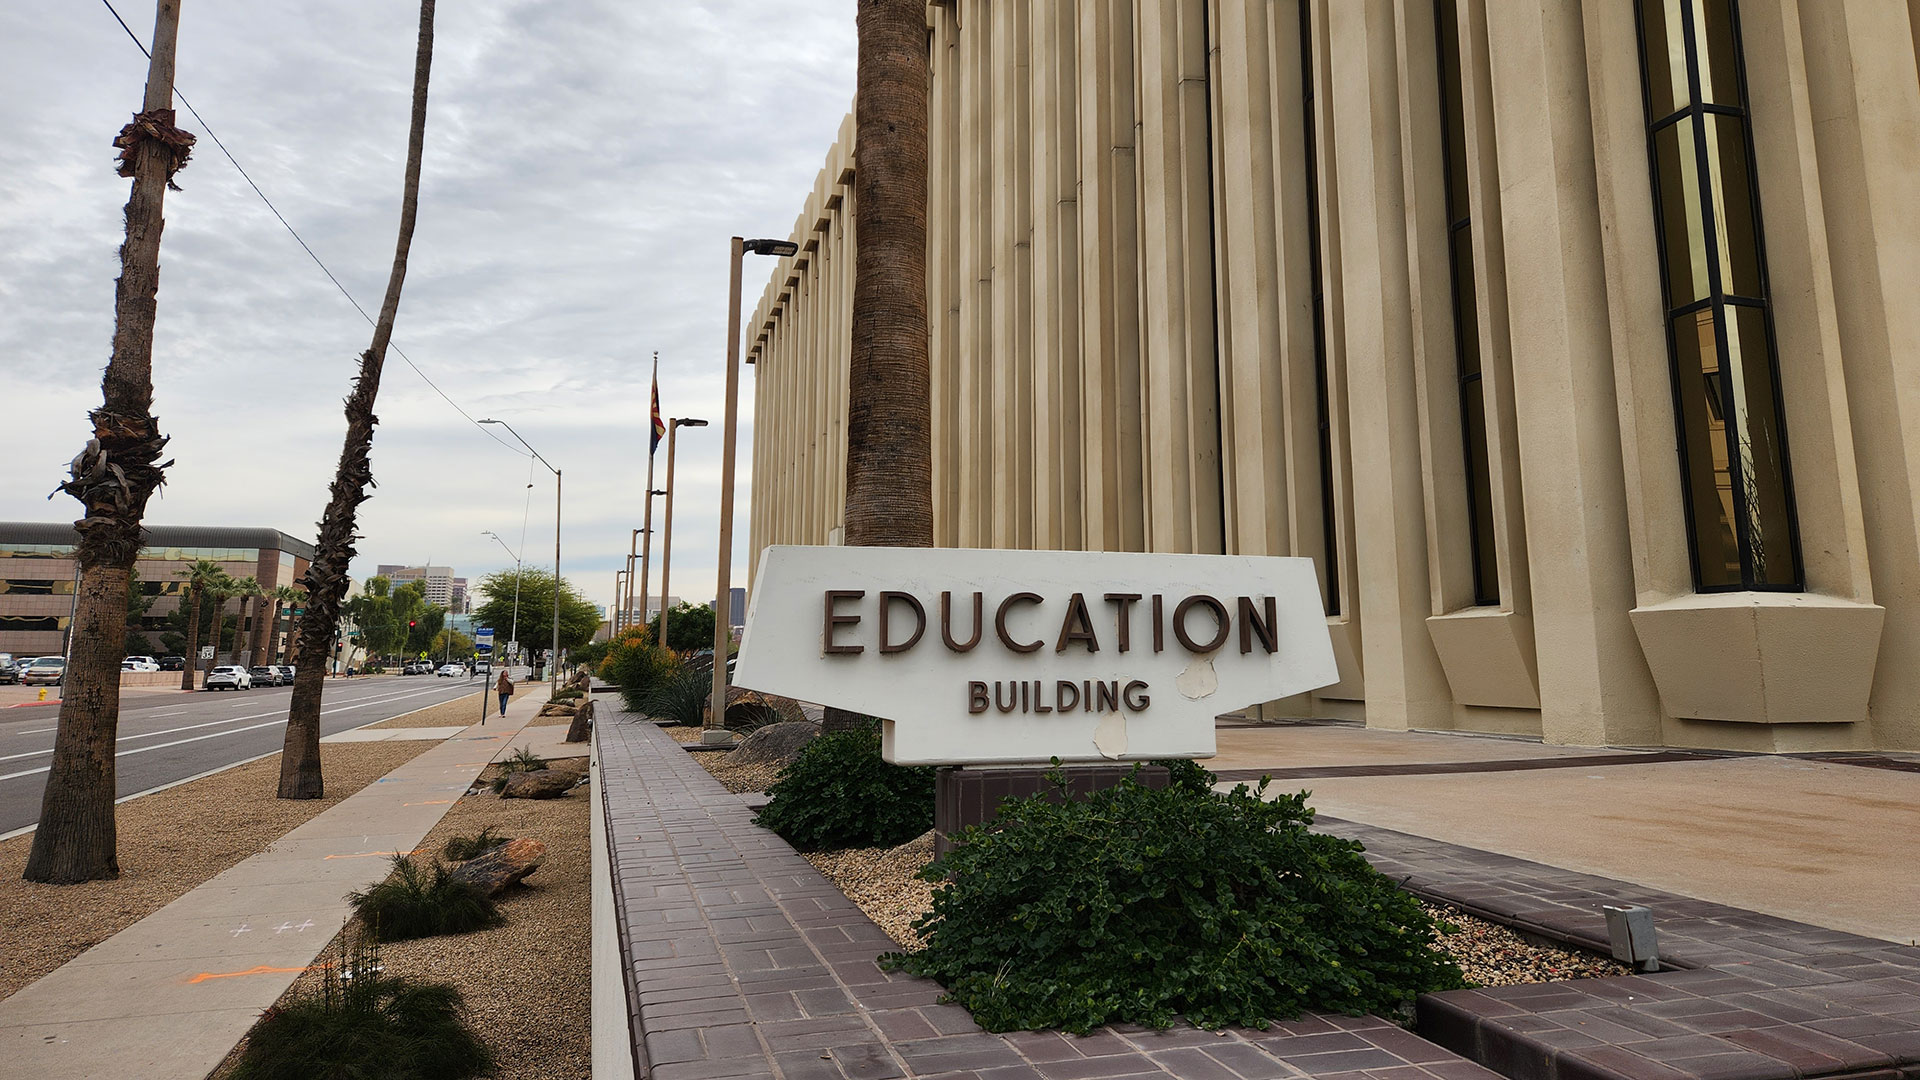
166,737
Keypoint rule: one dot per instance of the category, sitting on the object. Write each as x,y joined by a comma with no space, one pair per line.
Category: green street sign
297,612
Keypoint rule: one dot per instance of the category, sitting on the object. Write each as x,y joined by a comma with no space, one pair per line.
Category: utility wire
208,128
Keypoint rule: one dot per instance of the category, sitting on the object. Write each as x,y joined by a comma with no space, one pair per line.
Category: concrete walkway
1816,841
169,996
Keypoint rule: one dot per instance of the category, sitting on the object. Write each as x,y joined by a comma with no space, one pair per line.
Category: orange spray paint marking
371,854
429,802
261,970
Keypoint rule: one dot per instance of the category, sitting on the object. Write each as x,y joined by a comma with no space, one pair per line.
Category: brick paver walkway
743,961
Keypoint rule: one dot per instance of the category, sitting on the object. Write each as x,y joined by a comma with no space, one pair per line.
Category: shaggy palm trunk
113,477
889,421
263,640
193,640
239,631
326,579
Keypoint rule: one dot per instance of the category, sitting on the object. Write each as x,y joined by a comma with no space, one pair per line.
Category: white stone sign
986,656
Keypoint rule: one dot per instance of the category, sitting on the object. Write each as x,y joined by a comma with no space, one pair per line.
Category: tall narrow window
1466,309
1726,384
1329,533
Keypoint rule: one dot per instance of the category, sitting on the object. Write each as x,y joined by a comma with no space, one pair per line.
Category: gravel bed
737,777
680,733
527,984
464,712
882,882
169,843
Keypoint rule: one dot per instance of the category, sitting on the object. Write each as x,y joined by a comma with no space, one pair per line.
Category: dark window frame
1718,299
1316,288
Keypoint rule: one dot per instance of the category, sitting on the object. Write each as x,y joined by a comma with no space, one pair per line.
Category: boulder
748,710
557,708
775,744
501,867
582,723
538,784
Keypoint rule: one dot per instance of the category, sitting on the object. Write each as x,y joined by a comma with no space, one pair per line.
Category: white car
139,663
229,678
451,671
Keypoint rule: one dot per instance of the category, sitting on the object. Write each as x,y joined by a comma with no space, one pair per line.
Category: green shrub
839,793
1141,906
462,848
367,1025
680,696
635,666
417,903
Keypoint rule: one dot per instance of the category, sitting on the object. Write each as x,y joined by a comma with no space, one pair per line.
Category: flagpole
646,525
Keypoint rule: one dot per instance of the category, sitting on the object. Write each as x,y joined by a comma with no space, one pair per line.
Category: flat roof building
1572,343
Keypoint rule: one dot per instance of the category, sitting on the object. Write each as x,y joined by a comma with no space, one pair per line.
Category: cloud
584,167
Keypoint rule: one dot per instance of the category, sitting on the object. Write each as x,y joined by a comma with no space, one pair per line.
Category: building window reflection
1466,309
1733,444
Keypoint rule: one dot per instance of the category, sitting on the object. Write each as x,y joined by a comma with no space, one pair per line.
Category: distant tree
450,643
689,628
201,576
579,617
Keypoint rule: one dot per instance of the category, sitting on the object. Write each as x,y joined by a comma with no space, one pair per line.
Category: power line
208,128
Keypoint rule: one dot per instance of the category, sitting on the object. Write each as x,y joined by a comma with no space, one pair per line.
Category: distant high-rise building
438,581
737,607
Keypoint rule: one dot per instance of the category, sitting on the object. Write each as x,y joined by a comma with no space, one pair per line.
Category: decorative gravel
169,843
680,733
463,712
1493,955
528,983
740,778
882,882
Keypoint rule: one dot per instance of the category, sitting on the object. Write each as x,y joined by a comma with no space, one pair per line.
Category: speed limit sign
206,652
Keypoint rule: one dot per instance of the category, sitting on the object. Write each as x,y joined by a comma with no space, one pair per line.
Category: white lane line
36,731
210,735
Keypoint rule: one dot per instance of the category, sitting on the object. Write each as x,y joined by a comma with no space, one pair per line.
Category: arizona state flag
659,425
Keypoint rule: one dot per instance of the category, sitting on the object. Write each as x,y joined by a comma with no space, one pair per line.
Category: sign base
971,795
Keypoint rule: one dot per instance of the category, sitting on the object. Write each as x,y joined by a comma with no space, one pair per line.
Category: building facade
439,585
38,574
1567,340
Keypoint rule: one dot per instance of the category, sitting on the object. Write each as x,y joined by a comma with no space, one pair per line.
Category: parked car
451,671
46,671
173,663
229,678
264,675
289,670
418,667
9,671
139,663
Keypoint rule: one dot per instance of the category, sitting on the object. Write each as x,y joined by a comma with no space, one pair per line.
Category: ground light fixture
714,726
553,660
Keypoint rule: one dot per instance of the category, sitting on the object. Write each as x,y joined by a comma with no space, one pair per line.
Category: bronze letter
1109,695
1252,626
1037,706
1136,696
919,621
1159,626
834,596
1066,696
1000,622
1013,699
976,697
1077,614
1219,612
1123,616
946,622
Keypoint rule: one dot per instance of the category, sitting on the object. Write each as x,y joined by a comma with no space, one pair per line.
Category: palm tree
284,597
889,420
326,580
243,590
202,575
113,477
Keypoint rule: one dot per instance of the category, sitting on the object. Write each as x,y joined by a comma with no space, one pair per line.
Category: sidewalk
169,996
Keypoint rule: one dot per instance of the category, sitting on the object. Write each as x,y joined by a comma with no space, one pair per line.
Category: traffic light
409,624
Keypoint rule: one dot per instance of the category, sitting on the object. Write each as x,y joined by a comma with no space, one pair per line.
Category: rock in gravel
582,723
775,744
538,784
557,708
503,866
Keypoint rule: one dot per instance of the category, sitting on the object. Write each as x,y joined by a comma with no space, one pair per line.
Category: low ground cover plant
1142,906
416,902
365,1024
635,665
523,760
840,793
462,848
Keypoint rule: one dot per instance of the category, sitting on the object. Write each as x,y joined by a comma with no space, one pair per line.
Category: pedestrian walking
505,689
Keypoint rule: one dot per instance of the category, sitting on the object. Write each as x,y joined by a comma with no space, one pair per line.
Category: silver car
229,678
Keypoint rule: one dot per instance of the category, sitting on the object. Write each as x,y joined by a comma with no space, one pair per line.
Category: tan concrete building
1576,344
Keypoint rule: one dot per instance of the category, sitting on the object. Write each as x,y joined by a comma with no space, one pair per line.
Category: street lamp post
553,660
716,719
646,551
613,610
513,633
666,539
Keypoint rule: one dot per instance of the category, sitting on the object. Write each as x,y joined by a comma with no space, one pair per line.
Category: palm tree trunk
326,579
239,630
889,420
264,638
113,478
192,665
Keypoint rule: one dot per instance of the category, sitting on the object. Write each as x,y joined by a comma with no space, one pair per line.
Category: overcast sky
586,161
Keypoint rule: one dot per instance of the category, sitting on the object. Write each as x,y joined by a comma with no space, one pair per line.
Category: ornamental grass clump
840,793
635,665
1142,906
365,1024
416,902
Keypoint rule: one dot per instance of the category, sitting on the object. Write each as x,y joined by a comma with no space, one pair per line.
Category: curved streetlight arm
553,661
526,444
